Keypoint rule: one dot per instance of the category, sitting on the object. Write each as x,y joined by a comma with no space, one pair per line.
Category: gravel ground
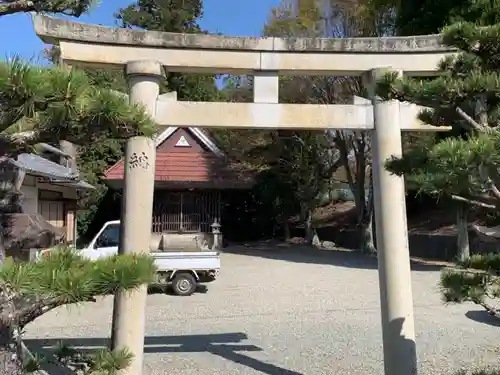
320,316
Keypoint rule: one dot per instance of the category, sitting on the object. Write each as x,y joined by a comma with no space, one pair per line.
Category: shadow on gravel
309,254
161,289
481,316
225,345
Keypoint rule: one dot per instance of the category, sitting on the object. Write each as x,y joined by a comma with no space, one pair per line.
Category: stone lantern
217,234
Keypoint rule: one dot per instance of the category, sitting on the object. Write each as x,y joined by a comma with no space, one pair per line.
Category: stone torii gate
145,54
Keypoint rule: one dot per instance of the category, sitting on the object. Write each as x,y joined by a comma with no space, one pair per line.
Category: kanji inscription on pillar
139,160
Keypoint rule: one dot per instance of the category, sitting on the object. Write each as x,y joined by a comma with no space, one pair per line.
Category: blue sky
229,17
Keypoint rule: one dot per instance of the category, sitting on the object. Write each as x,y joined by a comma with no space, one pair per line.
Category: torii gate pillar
396,300
144,79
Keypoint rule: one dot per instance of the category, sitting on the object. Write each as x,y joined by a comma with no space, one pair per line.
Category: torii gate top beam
86,44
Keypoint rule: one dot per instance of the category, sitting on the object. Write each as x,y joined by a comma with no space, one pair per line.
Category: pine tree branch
481,111
473,123
19,6
473,202
468,271
489,182
68,7
29,313
494,190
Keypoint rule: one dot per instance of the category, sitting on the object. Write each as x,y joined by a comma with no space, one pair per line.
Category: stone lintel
51,30
280,116
248,62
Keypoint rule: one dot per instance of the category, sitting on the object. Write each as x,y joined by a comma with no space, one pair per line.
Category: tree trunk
366,227
286,230
2,238
357,179
10,361
463,249
367,239
308,226
11,180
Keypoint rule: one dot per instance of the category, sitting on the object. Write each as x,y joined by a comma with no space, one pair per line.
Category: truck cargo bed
186,260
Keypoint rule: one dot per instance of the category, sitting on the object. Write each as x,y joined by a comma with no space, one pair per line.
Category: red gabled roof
201,162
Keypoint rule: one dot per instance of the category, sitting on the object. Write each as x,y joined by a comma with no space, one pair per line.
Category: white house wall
30,199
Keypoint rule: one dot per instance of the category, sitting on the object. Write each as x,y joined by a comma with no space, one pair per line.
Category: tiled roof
201,163
37,165
189,167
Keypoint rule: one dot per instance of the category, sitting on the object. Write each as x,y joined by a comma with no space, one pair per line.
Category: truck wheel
184,284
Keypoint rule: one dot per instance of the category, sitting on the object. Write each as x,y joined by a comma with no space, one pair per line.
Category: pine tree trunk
463,249
2,239
11,180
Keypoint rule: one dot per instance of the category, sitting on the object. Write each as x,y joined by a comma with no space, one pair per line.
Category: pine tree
39,104
429,17
422,17
29,290
47,104
465,95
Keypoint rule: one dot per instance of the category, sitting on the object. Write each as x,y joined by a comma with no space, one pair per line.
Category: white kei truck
180,270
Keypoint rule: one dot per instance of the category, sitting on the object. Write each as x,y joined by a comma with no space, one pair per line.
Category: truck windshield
109,237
